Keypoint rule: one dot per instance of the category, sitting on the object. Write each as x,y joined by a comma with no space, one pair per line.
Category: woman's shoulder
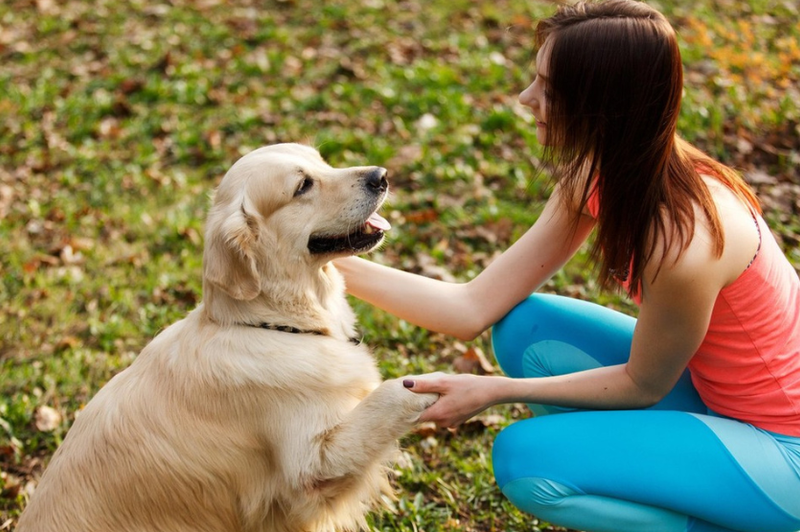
699,259
741,230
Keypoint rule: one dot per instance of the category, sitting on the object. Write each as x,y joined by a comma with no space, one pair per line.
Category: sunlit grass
117,118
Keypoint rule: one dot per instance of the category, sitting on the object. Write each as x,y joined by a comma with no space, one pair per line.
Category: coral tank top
748,366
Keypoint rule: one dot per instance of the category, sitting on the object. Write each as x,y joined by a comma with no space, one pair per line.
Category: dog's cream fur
220,426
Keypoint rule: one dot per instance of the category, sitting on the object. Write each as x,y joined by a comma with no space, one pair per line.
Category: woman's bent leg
603,333
669,468
650,470
554,335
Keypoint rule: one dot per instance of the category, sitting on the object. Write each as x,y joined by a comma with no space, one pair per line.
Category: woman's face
535,96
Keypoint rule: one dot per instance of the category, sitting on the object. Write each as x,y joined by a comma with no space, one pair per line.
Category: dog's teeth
368,229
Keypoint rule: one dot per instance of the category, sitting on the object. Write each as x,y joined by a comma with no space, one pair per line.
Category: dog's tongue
378,222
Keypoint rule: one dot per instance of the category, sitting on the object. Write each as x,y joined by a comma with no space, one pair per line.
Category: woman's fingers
427,383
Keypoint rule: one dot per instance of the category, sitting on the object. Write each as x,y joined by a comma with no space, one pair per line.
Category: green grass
117,119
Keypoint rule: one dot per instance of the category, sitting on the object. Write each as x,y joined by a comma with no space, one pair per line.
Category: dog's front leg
370,431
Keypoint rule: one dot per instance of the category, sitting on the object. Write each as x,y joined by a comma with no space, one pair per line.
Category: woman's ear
229,260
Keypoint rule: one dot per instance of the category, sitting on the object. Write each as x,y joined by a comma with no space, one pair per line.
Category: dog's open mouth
363,239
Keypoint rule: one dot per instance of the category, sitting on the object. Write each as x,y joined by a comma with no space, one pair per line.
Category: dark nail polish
408,383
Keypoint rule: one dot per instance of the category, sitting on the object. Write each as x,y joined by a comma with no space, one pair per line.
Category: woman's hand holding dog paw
395,400
460,396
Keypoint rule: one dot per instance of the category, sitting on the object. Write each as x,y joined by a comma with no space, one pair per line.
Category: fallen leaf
426,429
429,268
11,484
47,419
67,342
473,361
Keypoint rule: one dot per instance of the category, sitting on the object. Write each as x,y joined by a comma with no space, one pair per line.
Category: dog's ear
229,260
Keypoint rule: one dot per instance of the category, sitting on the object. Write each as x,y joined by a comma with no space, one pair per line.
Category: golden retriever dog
257,411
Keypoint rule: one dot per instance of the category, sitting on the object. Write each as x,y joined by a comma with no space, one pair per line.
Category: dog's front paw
411,404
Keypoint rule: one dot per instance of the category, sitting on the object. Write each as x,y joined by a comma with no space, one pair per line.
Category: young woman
685,419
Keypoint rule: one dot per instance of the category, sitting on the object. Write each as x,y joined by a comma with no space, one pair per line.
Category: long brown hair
615,82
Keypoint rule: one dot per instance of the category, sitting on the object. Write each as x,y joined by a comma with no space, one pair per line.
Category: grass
118,117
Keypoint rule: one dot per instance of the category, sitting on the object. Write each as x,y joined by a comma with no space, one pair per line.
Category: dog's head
281,213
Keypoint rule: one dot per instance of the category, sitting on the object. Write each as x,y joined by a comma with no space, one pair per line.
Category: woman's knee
518,329
517,449
603,333
518,457
536,495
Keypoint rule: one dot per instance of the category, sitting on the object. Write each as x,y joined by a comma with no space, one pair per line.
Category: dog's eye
304,187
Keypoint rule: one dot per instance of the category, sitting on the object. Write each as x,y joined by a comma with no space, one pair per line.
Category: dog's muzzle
369,234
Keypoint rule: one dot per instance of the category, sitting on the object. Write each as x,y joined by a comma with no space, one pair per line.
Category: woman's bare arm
672,323
465,310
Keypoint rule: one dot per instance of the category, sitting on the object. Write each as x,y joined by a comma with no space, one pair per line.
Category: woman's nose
526,97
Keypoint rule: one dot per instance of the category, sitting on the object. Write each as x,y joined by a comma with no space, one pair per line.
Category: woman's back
748,365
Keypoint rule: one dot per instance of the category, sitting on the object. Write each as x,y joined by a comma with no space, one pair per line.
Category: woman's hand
460,396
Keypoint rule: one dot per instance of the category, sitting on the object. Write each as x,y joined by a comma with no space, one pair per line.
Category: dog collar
295,330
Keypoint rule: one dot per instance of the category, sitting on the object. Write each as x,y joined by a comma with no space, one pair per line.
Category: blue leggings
674,467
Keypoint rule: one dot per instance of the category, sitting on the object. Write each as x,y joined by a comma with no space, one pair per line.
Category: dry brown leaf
421,216
67,342
426,429
473,361
33,265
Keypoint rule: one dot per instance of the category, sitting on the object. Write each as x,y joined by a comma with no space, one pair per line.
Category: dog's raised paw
427,399
411,404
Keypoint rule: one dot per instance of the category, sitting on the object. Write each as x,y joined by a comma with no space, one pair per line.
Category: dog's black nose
376,181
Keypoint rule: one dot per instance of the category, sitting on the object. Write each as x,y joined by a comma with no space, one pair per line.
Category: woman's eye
304,187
